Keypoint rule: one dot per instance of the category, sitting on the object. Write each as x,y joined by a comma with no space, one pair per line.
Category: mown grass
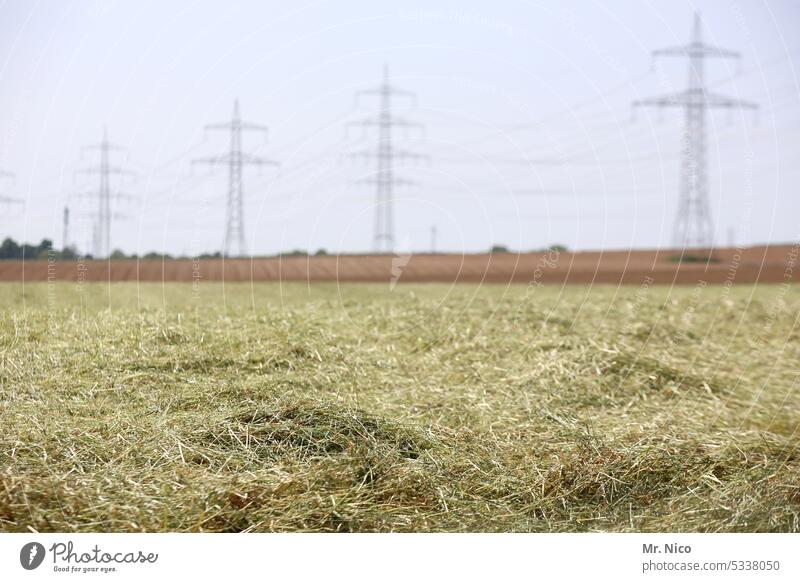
429,408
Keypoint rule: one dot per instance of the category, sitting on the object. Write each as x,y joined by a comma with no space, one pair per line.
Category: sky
528,128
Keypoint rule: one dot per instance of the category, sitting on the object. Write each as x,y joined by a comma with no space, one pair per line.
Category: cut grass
429,408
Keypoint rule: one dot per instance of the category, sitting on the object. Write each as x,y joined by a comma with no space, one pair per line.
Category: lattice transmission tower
385,155
235,159
693,226
101,232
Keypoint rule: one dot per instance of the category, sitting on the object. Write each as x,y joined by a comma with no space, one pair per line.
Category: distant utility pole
385,154
433,239
235,159
101,234
693,225
65,233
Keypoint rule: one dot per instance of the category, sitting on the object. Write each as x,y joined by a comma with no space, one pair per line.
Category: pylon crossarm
396,153
715,51
672,100
714,100
248,159
674,51
385,119
253,127
102,170
408,155
397,91
696,50
386,88
213,160
402,122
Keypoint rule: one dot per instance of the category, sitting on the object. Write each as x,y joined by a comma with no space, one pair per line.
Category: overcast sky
526,109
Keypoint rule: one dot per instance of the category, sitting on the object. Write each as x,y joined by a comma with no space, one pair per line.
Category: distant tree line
302,253
556,248
12,250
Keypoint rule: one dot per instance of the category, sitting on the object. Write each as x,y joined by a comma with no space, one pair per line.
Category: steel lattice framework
236,159
385,155
693,224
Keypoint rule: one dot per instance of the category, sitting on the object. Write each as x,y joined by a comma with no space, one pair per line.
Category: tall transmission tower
101,233
235,159
693,225
386,154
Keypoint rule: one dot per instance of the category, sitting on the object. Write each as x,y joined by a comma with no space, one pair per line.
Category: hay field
351,407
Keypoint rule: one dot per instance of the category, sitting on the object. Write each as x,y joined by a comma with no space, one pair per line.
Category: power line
236,159
693,224
9,200
615,125
385,154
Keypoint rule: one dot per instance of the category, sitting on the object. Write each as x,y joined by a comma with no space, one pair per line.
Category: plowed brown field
754,264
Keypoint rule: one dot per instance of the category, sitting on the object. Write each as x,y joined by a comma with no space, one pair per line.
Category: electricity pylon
101,233
693,225
385,154
235,159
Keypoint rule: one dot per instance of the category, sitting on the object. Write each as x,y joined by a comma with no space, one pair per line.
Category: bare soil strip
766,264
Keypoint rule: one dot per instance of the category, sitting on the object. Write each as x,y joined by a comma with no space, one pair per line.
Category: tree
69,253
155,256
10,249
